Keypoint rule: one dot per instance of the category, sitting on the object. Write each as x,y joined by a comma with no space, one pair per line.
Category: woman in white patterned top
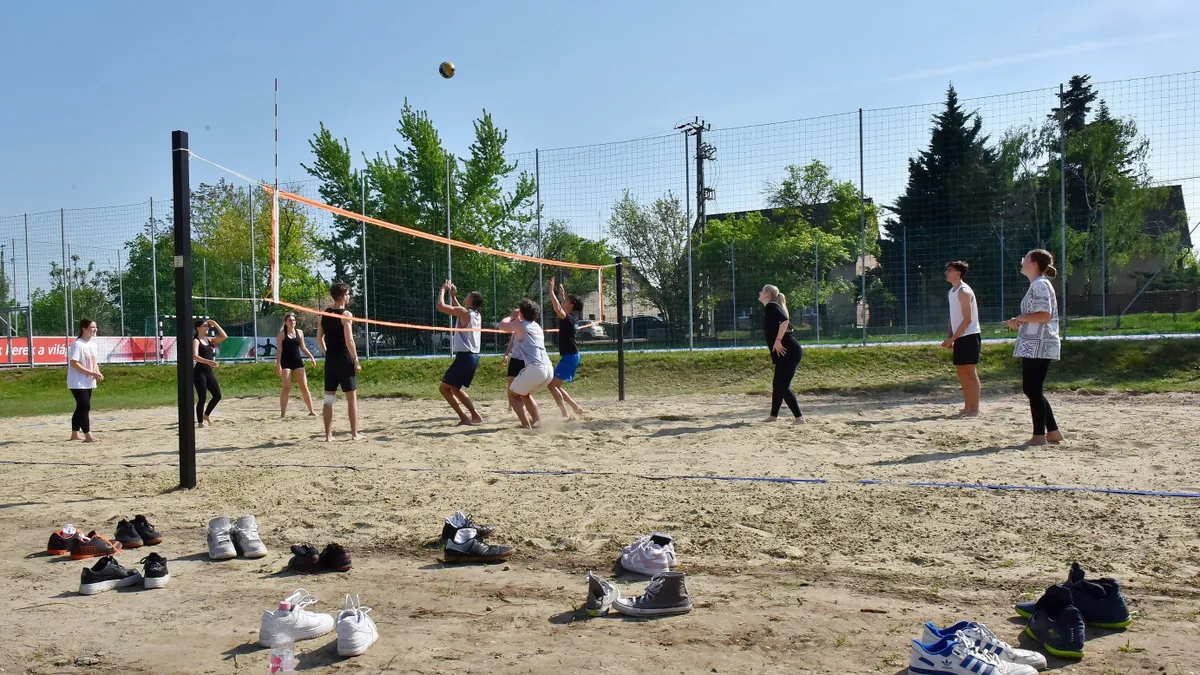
1037,341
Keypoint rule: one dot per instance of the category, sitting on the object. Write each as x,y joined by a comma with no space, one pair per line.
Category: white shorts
531,379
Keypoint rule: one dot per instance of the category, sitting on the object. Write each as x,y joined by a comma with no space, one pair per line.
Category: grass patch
1144,366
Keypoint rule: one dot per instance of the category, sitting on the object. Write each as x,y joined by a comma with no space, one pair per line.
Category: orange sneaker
60,541
92,546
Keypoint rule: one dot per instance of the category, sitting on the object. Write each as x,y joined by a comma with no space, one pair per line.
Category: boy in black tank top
336,339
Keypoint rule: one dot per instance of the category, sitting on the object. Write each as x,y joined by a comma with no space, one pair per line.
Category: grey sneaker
666,594
601,595
220,543
246,539
466,548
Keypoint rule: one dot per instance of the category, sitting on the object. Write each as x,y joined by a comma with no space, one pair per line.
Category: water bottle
283,646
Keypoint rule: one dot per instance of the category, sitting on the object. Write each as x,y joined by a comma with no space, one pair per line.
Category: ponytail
1045,261
776,296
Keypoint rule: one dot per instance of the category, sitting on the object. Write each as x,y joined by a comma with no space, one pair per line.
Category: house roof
1170,217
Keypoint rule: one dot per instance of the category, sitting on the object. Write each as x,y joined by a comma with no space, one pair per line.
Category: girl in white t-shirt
83,372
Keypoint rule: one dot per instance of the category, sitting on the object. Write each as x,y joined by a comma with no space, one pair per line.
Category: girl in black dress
289,364
785,351
204,353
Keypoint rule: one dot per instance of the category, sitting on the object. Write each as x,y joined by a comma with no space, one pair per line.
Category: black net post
183,307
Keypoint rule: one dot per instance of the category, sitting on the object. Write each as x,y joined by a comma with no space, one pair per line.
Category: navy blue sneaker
1099,601
1057,624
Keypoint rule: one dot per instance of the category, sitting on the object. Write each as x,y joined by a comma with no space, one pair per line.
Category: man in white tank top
465,345
964,337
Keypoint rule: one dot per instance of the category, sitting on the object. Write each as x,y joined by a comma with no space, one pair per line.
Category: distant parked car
595,331
641,327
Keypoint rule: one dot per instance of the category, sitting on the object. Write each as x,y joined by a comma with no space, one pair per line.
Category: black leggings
83,405
1033,376
781,385
206,383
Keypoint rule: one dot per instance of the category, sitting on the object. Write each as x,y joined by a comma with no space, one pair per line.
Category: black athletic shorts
339,372
461,372
967,349
515,366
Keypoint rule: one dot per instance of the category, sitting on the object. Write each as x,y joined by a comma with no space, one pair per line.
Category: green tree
951,207
85,290
491,204
656,239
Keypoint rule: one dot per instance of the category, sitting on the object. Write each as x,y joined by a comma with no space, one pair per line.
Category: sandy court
780,572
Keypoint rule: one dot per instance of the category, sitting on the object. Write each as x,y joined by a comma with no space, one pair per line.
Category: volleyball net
396,262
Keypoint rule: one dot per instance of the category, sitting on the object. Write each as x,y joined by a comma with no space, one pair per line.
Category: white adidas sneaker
246,539
293,618
650,555
355,630
981,638
955,656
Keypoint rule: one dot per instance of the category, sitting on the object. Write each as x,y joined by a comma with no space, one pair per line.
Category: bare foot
771,418
75,436
1055,437
1036,441
800,420
328,438
208,420
969,413
476,419
312,414
88,438
469,423
356,437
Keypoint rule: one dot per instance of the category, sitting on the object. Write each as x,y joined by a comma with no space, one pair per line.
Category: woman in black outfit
785,351
289,364
204,353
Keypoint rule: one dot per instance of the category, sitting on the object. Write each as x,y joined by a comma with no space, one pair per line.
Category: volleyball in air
446,69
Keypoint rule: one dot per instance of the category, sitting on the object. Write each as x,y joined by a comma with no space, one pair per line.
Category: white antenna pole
275,208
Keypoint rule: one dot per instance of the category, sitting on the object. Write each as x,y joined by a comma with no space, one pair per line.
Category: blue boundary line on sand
731,479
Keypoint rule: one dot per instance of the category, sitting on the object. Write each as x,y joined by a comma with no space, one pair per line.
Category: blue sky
92,90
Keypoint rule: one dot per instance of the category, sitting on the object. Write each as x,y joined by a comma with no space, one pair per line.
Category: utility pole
704,151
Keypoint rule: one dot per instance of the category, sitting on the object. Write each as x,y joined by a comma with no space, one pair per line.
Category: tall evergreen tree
951,206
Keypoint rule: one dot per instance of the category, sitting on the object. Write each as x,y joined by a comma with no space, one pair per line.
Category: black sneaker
335,558
155,574
1099,600
128,535
146,531
306,559
475,551
1057,623
106,575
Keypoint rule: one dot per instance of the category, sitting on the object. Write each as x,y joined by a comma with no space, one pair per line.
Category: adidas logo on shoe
979,637
954,655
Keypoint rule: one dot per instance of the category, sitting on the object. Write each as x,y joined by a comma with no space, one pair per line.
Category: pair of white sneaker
650,555
356,631
228,539
969,648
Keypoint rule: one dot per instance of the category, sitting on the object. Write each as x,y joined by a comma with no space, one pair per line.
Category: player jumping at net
531,346
204,353
336,339
465,345
289,364
785,351
568,348
963,336
83,372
